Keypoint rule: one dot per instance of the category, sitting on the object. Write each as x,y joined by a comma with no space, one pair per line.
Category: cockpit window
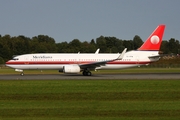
15,59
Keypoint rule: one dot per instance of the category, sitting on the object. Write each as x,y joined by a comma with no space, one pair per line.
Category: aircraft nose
8,62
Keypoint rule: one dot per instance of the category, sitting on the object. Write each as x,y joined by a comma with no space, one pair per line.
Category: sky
65,20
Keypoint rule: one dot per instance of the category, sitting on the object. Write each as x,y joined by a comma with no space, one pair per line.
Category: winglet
122,54
97,51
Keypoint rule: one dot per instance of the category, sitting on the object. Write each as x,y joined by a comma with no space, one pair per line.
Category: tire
89,73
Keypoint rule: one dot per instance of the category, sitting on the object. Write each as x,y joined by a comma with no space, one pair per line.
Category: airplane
87,62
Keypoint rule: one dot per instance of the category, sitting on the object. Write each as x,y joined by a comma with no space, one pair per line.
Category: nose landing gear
19,70
22,74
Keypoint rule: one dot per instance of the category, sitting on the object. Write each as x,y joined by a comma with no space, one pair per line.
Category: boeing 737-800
81,62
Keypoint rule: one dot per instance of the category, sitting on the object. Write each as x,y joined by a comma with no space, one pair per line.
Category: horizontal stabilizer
156,56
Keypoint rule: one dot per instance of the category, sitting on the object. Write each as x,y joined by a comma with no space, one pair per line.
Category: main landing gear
86,73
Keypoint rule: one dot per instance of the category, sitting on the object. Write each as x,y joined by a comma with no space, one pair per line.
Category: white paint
154,39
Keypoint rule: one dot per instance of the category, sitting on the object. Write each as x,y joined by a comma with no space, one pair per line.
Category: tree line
18,45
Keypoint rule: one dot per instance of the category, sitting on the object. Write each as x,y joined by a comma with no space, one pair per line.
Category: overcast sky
65,20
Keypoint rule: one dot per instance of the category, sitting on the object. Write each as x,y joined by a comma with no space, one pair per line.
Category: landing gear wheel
86,73
22,74
89,73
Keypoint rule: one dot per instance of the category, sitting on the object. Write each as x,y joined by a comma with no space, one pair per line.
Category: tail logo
155,39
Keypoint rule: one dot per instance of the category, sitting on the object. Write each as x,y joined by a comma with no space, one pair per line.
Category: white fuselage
58,60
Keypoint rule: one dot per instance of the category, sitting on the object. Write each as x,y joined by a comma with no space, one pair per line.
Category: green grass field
90,99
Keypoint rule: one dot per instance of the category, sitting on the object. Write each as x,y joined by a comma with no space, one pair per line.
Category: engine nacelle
71,69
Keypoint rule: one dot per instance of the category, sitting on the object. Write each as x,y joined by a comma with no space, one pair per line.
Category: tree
173,46
165,47
85,48
5,47
137,42
101,43
62,47
92,46
46,43
20,45
92,42
1,60
128,44
75,45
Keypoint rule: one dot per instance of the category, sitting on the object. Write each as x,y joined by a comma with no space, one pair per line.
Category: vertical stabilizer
154,40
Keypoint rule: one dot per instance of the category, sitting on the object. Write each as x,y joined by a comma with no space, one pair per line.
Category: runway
134,76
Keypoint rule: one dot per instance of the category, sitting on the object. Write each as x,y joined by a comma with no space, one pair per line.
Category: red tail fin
154,40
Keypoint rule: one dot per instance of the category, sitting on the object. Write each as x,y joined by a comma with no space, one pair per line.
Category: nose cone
8,63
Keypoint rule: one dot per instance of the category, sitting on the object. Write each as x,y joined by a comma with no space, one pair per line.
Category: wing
93,65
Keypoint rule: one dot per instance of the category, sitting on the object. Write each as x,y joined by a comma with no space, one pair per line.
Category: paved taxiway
93,77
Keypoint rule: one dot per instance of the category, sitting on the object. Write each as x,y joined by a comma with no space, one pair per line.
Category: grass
90,99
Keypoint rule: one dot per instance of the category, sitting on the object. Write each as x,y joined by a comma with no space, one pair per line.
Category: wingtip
97,51
122,54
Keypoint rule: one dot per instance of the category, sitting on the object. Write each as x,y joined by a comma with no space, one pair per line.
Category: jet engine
71,69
